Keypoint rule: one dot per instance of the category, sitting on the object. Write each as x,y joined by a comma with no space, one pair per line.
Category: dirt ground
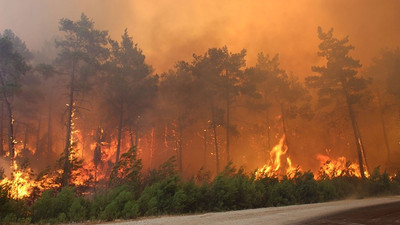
384,210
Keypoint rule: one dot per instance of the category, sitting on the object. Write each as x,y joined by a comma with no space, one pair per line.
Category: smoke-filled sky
172,30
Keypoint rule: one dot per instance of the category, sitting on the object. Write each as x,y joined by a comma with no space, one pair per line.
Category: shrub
326,190
77,211
378,183
158,198
283,193
131,210
109,205
306,188
110,212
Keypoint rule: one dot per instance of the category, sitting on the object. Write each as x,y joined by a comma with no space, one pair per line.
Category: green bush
109,204
283,193
77,211
306,188
167,193
131,210
326,190
378,183
158,198
110,212
264,188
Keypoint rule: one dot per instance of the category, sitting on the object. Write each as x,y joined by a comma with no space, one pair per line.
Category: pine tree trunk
214,126
38,135
205,148
137,134
284,126
119,134
151,147
180,149
49,131
268,137
358,141
131,135
68,139
11,138
228,109
25,136
1,129
383,127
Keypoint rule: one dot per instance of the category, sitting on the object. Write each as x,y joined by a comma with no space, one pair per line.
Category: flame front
340,166
276,167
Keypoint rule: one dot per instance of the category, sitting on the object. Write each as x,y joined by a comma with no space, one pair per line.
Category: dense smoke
171,31
158,117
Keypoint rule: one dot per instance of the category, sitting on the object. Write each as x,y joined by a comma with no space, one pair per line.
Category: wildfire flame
279,163
340,166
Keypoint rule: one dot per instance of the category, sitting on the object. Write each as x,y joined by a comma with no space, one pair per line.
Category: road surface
384,210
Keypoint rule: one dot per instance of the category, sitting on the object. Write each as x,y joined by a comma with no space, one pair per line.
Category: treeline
78,105
163,191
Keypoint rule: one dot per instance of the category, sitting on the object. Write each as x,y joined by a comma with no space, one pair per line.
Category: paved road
365,211
378,214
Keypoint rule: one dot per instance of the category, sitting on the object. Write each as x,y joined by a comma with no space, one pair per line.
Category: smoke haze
169,31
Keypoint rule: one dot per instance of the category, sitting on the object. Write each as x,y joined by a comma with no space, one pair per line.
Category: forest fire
92,118
279,165
340,166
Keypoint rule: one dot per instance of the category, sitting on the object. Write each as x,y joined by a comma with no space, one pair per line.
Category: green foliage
283,193
379,184
233,190
326,190
166,169
127,170
115,203
230,190
62,207
306,188
158,198
77,211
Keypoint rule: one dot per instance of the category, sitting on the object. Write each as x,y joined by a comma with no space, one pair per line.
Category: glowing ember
276,166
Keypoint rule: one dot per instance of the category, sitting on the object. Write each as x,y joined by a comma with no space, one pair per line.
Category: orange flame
275,167
340,166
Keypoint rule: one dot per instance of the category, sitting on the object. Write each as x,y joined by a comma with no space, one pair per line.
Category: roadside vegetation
162,191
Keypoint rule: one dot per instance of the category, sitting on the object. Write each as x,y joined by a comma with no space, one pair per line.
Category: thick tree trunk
121,114
66,176
358,141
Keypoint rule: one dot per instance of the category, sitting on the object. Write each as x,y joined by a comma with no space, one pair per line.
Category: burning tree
82,50
179,94
220,74
338,80
270,86
129,86
12,67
